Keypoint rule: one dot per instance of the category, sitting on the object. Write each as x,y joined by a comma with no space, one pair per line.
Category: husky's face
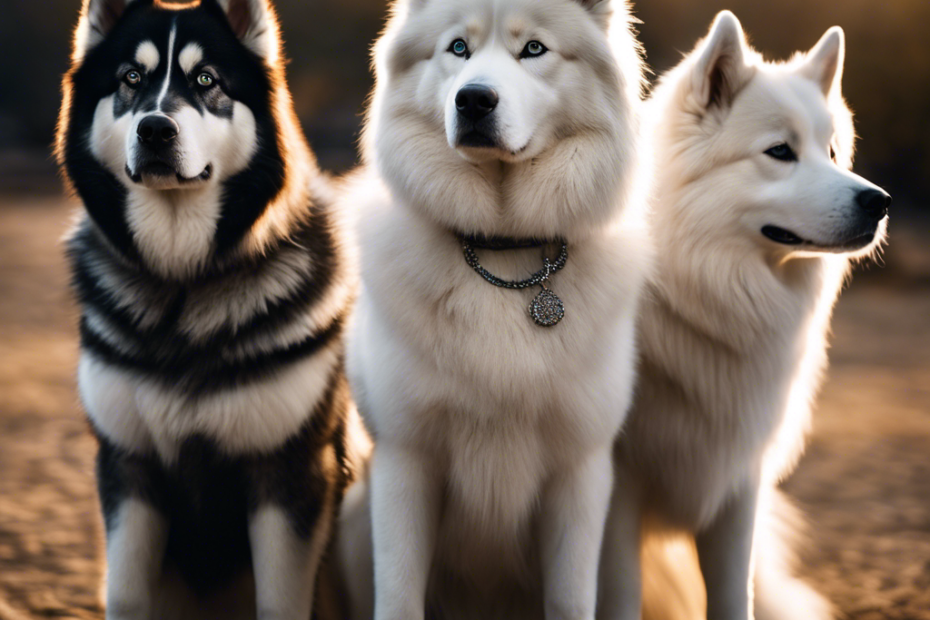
174,108
776,146
500,84
171,127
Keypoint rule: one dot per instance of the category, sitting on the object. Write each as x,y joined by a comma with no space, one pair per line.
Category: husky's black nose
474,101
874,202
157,130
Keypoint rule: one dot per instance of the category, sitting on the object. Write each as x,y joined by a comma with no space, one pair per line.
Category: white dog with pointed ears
514,121
756,219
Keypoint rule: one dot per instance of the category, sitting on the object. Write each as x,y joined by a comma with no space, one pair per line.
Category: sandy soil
864,484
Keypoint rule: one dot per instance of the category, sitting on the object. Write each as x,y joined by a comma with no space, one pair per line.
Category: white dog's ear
255,24
600,9
592,5
98,18
824,63
721,69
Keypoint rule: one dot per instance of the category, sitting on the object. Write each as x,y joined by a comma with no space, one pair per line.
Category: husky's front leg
405,494
574,508
725,555
285,563
136,532
136,536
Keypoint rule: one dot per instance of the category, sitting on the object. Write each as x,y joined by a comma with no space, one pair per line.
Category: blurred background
865,482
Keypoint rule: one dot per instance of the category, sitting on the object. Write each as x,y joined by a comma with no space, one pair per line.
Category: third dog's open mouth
786,237
780,235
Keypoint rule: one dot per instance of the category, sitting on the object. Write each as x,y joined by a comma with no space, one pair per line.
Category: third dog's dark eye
782,152
133,78
460,48
533,49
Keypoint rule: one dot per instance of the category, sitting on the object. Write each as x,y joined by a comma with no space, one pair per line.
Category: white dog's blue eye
460,48
533,49
782,152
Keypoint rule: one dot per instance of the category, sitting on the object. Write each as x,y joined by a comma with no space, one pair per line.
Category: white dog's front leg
405,495
725,555
620,588
285,564
135,553
574,508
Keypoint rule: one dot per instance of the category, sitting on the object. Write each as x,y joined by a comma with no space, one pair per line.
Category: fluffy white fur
138,414
491,472
734,333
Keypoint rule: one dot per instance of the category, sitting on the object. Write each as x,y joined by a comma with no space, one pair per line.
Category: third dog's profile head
514,117
760,153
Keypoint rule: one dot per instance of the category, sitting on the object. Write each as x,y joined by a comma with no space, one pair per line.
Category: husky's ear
721,69
255,24
98,18
824,63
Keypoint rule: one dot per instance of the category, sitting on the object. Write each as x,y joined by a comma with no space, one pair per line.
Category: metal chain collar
537,279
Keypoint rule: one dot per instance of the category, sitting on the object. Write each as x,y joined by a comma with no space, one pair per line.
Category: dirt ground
864,483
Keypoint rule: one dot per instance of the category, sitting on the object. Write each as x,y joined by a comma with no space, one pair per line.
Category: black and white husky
213,287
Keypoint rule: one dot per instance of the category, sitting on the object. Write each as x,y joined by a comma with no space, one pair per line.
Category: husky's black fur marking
207,496
163,352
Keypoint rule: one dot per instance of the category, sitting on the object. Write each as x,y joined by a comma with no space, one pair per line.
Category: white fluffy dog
757,217
500,122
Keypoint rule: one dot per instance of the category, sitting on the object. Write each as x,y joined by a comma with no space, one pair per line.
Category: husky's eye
460,48
533,49
782,152
205,79
132,78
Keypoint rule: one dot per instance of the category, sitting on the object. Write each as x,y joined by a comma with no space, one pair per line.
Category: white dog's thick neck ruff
546,309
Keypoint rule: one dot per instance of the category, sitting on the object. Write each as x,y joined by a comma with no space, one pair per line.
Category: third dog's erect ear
721,69
255,24
824,63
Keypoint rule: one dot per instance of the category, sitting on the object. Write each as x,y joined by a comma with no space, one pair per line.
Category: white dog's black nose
474,101
874,202
157,130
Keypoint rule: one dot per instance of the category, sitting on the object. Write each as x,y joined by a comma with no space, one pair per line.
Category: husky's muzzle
157,158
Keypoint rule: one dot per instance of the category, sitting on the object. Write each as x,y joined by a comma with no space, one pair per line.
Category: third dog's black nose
875,202
474,101
157,130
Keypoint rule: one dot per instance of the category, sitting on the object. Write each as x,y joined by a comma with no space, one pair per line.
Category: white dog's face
495,88
501,76
472,93
776,146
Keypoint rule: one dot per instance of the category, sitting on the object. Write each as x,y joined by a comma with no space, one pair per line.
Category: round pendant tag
547,309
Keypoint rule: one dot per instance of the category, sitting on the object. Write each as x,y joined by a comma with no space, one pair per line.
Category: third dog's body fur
754,227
